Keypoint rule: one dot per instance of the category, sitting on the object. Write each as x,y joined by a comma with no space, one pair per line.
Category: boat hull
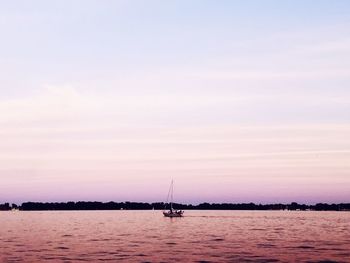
173,214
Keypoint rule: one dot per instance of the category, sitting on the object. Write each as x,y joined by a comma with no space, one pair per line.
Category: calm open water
200,236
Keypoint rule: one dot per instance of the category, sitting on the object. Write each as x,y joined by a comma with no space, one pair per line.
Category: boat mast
171,197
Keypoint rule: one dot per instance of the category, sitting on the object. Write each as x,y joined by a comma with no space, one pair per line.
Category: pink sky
61,145
236,102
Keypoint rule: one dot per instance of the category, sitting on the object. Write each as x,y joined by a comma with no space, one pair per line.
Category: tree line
87,205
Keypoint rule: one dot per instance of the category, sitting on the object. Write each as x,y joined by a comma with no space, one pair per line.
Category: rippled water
201,236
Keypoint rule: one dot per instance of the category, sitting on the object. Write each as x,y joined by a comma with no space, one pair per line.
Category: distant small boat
172,212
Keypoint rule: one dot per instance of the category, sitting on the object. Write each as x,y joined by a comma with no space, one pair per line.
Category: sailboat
172,212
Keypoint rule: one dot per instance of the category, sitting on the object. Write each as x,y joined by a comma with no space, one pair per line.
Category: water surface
200,236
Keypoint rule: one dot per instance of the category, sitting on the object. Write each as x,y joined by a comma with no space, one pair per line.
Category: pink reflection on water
141,236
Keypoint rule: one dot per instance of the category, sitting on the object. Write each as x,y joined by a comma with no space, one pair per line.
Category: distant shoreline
91,205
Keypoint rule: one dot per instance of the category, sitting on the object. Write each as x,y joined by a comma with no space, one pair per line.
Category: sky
237,101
